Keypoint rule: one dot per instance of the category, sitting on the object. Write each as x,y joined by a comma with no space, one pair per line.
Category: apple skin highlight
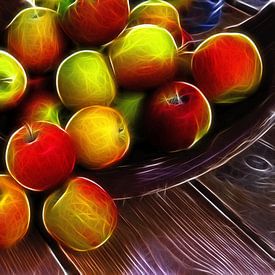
227,67
14,212
40,160
177,116
82,216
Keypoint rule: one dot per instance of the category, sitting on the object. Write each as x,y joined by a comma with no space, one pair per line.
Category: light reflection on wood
176,232
29,256
246,185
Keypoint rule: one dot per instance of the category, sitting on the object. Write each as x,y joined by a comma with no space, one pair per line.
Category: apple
100,136
93,23
42,106
36,40
143,57
227,67
40,156
81,216
159,13
177,116
85,78
14,212
13,81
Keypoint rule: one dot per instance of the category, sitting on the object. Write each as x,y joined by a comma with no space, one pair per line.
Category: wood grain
30,256
177,232
246,186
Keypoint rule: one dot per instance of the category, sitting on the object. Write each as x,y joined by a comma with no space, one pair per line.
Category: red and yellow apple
81,216
94,23
143,57
40,156
14,212
42,106
85,78
13,81
227,67
36,40
100,136
161,13
177,116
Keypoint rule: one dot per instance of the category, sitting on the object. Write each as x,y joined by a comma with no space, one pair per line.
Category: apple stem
6,79
178,98
32,138
31,2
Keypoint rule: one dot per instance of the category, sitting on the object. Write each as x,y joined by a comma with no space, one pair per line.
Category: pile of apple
114,67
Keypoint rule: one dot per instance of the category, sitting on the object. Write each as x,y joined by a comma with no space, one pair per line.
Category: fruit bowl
235,127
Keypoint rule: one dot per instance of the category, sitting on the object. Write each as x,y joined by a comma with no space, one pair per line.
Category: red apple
227,67
40,156
14,212
94,23
177,116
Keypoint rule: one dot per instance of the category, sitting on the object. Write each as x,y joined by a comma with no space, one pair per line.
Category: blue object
202,16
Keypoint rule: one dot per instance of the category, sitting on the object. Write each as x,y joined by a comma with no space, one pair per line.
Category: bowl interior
235,127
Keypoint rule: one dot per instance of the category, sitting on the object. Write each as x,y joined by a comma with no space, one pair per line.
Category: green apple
13,80
84,79
143,57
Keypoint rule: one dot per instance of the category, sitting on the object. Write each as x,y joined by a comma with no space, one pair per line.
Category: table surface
221,223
